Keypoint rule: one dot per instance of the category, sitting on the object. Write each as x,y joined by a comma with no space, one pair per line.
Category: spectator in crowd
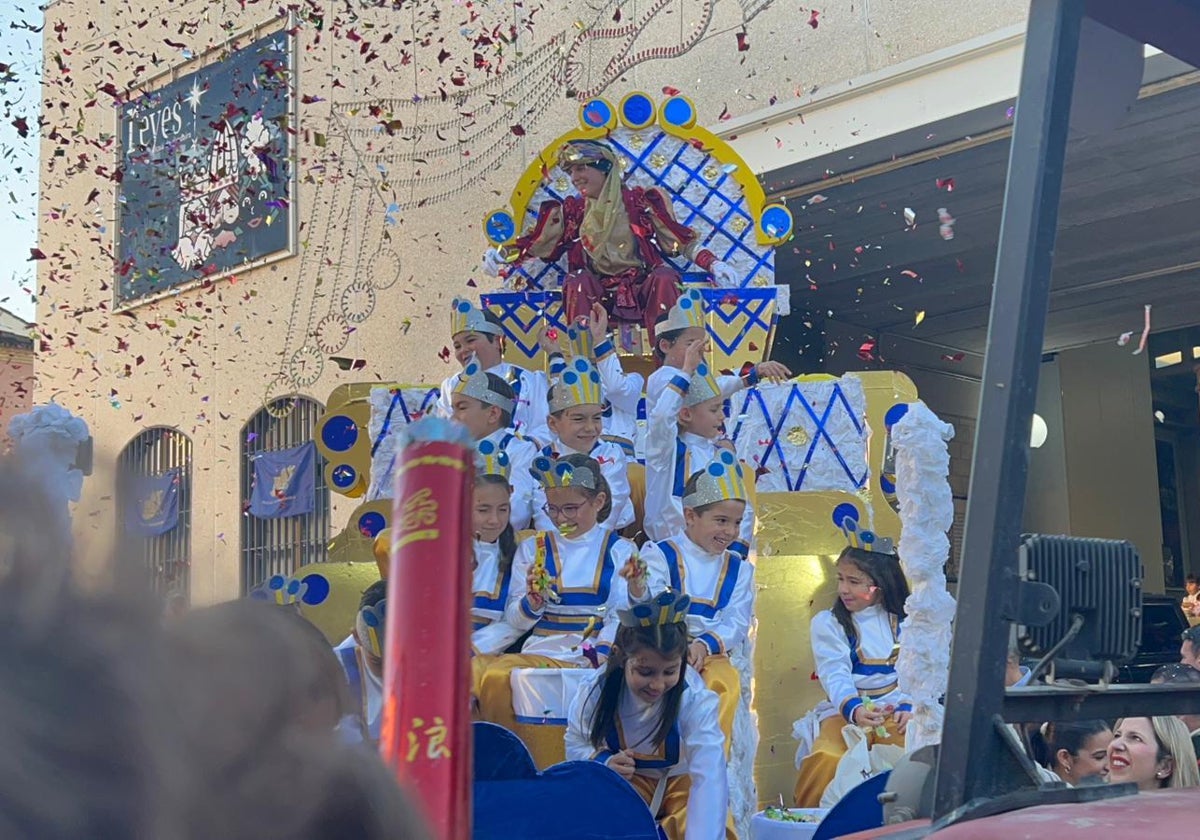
1074,750
1191,601
1152,753
1189,649
1180,674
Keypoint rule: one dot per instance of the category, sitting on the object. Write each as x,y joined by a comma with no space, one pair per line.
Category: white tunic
660,380
866,669
622,390
584,572
490,633
671,457
521,453
721,587
529,416
366,688
695,747
614,467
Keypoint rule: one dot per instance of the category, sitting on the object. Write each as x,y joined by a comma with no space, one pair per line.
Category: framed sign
208,183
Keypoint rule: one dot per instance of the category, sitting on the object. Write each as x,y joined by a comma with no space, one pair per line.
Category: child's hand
634,572
622,762
598,325
697,655
533,585
549,345
773,371
902,719
868,718
693,356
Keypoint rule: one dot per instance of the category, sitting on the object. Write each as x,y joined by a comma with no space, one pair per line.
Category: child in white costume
576,404
479,334
855,646
483,402
719,582
495,546
652,722
567,584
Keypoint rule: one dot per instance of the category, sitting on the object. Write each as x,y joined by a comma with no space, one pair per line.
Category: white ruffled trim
743,793
46,443
926,516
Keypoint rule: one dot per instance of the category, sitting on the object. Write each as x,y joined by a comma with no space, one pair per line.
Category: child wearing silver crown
567,585
478,334
680,329
622,391
576,403
697,561
855,646
494,549
648,718
483,402
684,432
361,657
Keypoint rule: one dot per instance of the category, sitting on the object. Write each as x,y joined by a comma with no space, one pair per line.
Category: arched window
155,504
276,540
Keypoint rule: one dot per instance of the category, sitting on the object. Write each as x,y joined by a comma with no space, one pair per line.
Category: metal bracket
1037,604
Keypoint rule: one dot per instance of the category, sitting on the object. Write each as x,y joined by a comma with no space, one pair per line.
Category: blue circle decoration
570,377
486,447
776,222
344,476
370,618
637,110
678,111
843,512
340,433
716,469
371,523
500,227
581,365
597,113
894,414
464,306
317,589
867,537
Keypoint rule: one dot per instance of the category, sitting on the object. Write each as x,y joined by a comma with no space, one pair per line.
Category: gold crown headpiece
490,459
865,539
551,472
581,343
373,621
467,317
590,152
474,382
280,590
703,387
720,481
688,311
665,608
578,384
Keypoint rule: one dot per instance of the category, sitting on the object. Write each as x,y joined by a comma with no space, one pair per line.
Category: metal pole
987,591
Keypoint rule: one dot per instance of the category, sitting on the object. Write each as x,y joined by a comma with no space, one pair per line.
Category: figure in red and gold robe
616,239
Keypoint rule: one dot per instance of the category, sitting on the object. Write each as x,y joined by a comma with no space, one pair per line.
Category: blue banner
284,482
154,508
206,174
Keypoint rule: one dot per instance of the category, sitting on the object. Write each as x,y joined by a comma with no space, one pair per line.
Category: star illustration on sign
193,97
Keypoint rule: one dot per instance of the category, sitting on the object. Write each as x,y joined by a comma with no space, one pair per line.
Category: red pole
426,729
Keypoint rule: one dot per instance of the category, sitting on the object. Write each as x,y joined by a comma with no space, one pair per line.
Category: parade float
820,447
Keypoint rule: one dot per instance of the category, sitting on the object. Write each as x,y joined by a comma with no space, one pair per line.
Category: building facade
17,380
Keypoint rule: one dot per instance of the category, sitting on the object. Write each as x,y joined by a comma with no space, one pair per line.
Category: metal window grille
167,556
281,546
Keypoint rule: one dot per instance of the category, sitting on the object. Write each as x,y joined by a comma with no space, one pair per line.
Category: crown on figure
474,382
722,480
688,311
588,152
703,387
578,384
865,540
467,317
490,459
581,342
665,608
372,624
281,590
550,472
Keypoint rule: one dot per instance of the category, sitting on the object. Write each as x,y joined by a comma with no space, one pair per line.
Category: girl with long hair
651,720
855,646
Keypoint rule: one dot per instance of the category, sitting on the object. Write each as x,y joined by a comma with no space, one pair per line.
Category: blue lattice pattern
705,197
524,315
807,435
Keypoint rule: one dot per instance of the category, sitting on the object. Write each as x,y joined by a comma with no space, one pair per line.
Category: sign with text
207,179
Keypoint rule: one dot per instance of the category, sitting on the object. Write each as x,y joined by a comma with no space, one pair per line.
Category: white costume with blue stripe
521,453
366,689
490,633
671,457
721,587
584,574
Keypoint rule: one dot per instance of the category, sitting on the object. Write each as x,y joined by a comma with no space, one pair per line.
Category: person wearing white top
855,646
494,548
361,657
648,718
479,334
566,584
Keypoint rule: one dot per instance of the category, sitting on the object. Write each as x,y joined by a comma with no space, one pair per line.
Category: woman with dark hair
652,721
855,645
1073,750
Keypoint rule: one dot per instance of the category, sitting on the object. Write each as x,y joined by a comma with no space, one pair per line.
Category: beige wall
207,356
17,384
